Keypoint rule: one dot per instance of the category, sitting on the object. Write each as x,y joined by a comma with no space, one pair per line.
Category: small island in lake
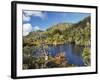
56,39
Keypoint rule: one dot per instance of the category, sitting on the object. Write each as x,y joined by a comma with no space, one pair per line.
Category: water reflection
72,53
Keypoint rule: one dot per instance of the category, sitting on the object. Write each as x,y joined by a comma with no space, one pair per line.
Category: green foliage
79,33
86,55
62,33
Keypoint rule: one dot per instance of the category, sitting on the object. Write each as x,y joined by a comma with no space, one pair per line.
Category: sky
41,20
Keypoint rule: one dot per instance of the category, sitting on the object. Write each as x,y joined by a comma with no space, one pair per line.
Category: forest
58,34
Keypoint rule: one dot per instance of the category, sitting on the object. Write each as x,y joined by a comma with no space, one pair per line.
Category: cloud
26,18
36,28
27,28
27,15
34,13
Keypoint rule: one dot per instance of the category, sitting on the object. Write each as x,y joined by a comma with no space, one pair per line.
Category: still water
72,53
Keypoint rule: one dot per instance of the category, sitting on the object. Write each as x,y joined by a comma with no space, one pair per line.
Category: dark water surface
72,53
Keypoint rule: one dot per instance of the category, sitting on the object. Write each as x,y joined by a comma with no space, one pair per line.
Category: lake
72,52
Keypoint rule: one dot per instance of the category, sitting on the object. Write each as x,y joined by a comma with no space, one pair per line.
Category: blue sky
45,19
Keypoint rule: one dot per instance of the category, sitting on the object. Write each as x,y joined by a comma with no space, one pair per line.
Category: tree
86,56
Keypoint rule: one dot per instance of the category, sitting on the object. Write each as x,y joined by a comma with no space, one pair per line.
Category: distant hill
78,33
63,26
60,26
83,23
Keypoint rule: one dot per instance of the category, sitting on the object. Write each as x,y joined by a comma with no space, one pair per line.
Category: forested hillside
61,33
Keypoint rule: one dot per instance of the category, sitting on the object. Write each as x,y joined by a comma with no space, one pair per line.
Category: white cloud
36,28
27,28
26,18
28,14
